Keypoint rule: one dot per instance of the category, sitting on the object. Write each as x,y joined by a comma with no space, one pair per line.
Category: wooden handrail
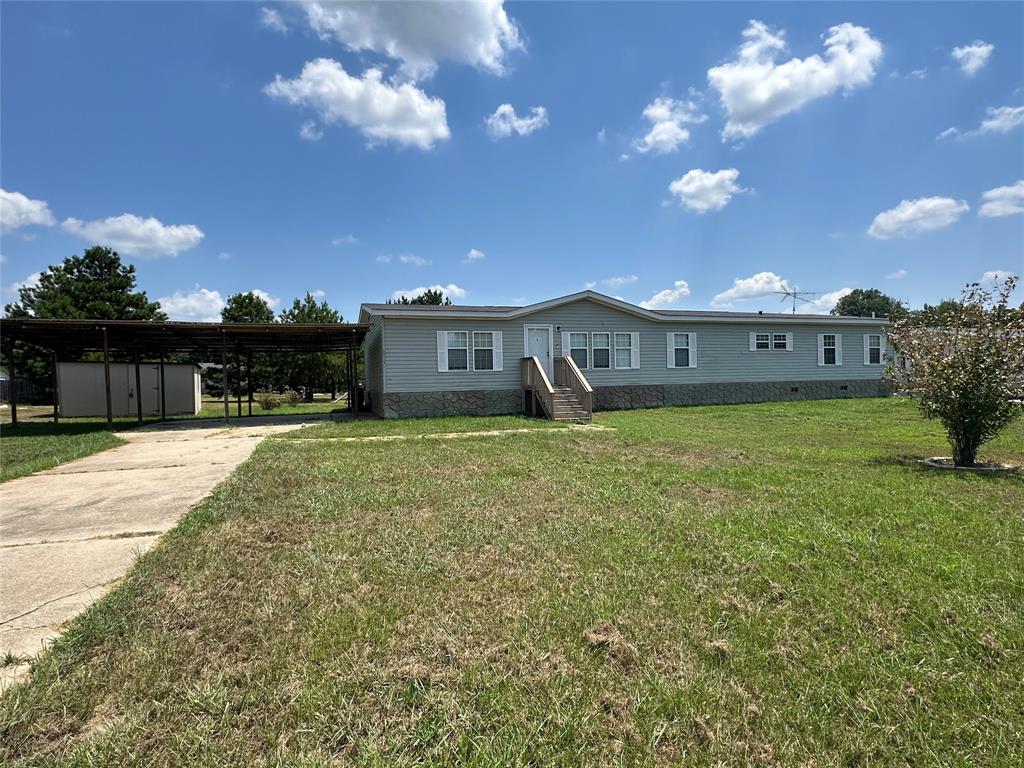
536,381
573,378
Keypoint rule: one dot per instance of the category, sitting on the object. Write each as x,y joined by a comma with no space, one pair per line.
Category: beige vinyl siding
723,352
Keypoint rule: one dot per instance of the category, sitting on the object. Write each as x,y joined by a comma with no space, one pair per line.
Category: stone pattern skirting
659,395
474,402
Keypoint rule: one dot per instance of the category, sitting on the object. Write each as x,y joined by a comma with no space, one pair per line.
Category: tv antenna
796,295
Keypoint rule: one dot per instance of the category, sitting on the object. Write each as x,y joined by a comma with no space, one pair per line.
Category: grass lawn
412,427
34,446
770,584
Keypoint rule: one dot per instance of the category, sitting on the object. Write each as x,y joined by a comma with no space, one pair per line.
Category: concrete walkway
69,533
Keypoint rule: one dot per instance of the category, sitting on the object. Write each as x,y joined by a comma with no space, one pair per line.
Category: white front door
538,344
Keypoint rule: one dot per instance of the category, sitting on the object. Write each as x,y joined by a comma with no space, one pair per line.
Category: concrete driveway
69,533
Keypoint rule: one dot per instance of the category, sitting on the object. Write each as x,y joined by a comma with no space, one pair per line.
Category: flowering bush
967,372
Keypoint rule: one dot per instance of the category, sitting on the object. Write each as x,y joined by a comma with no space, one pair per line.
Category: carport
66,339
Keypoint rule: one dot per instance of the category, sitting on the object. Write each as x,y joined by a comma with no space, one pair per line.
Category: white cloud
824,303
224,256
995,276
318,293
272,301
1003,201
504,122
756,90
590,285
668,118
918,74
474,255
345,240
31,281
756,286
912,217
451,291
668,297
704,191
416,261
310,131
16,211
602,136
384,258
199,305
997,120
973,57
272,19
135,236
420,34
621,280
898,274
380,111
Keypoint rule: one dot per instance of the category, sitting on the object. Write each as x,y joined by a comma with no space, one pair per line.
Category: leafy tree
246,308
250,308
429,296
869,302
306,371
95,285
966,371
946,312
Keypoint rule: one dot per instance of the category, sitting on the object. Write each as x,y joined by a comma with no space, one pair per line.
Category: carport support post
13,383
163,398
56,413
238,367
248,378
224,371
106,378
138,383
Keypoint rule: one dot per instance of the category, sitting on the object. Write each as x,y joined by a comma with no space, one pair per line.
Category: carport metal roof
151,337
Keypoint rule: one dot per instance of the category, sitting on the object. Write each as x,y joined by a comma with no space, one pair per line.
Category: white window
600,344
458,350
627,350
872,349
483,351
772,341
578,349
830,349
682,350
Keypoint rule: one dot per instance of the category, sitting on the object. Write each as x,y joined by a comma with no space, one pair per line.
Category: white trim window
830,349
682,350
578,349
771,341
600,346
457,343
872,349
483,351
627,350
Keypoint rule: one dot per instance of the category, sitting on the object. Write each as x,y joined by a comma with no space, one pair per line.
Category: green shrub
269,401
291,397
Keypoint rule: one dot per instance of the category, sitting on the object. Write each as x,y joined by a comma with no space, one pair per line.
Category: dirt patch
605,636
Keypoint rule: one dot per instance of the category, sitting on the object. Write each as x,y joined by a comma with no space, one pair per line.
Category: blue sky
681,155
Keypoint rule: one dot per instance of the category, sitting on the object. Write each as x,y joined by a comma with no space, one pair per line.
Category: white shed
81,389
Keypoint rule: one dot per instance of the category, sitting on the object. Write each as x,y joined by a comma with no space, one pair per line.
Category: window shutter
670,340
839,349
693,350
499,357
789,342
821,349
634,350
867,347
442,351
753,341
565,344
